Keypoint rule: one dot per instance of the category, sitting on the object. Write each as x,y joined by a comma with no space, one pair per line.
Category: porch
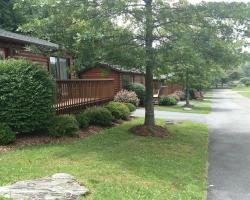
73,96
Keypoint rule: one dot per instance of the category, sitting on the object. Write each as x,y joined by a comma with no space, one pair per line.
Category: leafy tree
10,19
90,31
86,31
246,69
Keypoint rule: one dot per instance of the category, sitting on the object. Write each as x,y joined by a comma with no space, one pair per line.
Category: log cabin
72,95
13,45
122,76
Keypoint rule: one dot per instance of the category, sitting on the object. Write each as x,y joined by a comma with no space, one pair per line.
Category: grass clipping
153,131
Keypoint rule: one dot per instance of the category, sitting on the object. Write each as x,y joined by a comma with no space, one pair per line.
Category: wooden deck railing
75,95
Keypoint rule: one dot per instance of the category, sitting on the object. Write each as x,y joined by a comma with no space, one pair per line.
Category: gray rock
187,109
58,186
172,122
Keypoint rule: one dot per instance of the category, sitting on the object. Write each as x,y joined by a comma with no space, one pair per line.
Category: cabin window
125,81
142,80
59,68
2,54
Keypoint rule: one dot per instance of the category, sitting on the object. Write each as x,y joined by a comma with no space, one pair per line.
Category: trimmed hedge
139,89
83,120
62,126
26,95
118,110
167,101
130,106
6,134
99,116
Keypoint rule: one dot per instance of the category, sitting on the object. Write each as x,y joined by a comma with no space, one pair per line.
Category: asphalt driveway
229,147
229,144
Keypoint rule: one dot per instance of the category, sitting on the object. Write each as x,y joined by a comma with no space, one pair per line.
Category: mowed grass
199,106
115,164
244,91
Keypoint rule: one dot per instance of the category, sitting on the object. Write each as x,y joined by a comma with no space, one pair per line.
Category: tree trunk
187,90
149,104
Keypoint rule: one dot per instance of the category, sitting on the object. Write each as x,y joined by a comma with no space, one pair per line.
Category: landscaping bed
23,140
115,164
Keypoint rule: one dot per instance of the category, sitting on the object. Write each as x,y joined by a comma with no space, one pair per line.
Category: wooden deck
75,95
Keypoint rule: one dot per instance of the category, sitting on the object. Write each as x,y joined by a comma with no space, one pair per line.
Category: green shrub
245,81
126,96
6,134
62,126
167,101
130,106
192,93
118,110
99,116
139,89
27,95
82,120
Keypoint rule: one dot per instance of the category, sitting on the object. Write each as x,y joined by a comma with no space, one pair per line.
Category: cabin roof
120,69
23,39
117,68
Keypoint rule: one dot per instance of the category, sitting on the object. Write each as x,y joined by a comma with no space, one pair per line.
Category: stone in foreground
58,186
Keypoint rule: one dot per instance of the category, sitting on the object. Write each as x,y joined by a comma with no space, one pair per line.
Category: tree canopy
190,41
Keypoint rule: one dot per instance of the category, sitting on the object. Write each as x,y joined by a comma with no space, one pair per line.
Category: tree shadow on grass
144,157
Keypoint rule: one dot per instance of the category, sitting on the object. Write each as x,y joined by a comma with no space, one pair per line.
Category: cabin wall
173,88
137,78
39,58
100,73
11,49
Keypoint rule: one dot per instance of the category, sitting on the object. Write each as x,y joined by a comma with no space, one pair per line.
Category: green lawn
202,107
117,165
244,91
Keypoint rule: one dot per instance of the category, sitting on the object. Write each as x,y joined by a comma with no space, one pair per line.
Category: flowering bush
181,94
139,90
175,96
125,96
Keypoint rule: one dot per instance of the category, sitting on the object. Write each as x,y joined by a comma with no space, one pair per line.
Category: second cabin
123,76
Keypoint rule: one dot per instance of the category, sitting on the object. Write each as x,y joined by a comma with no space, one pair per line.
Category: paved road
229,144
229,147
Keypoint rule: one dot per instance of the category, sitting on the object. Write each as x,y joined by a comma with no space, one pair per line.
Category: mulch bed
23,140
154,131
